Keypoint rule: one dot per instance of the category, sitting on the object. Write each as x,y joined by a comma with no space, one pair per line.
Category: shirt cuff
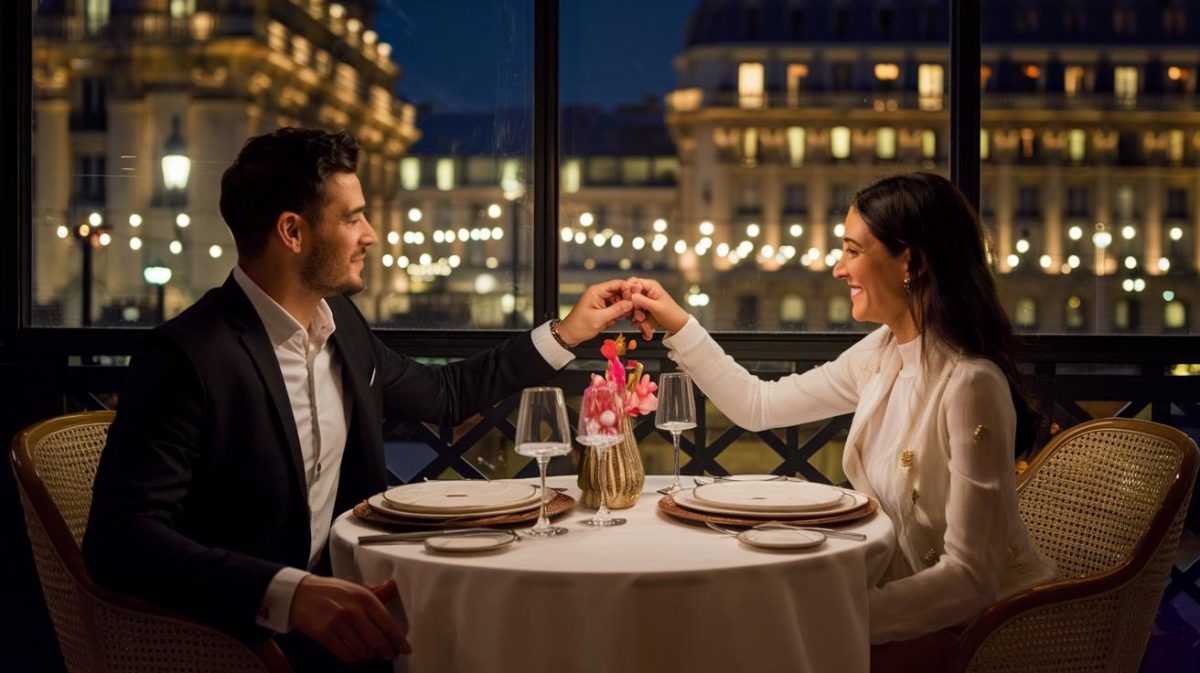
688,336
545,343
276,609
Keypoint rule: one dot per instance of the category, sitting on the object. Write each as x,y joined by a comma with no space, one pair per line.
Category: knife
421,536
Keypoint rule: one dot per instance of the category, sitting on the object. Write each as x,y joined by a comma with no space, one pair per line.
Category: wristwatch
554,333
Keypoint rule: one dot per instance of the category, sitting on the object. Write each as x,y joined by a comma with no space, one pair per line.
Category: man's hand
348,619
653,307
599,308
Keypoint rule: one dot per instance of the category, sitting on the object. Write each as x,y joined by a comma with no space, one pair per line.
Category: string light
660,225
752,230
706,228
796,230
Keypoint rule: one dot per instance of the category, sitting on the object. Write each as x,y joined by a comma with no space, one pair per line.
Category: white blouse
932,439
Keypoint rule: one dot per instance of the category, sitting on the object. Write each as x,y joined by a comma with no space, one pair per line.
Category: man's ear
289,229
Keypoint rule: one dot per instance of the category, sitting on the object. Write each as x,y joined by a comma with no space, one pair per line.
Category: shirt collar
280,324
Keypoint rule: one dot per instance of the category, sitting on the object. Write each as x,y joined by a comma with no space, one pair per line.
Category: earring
907,284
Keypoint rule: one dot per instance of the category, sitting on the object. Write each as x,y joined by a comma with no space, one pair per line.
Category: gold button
915,495
931,557
906,459
981,433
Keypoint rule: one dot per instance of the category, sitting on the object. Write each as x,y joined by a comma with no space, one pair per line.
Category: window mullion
965,44
545,160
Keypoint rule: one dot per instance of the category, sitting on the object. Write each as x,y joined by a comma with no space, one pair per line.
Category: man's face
333,264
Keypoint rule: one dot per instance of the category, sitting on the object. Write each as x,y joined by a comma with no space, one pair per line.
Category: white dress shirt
312,375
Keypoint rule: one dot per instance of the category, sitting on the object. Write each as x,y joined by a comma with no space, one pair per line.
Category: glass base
670,489
603,523
548,531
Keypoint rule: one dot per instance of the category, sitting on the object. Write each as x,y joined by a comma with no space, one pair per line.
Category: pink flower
641,400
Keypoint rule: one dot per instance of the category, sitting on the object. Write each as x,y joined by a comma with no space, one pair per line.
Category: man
254,417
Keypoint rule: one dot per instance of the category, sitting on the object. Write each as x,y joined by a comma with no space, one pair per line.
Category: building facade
121,84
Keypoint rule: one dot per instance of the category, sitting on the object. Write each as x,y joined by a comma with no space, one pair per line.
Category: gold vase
624,473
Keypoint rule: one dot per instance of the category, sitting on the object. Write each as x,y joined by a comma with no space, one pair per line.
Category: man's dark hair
285,170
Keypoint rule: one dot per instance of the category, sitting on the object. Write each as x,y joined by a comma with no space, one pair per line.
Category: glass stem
543,522
677,486
602,513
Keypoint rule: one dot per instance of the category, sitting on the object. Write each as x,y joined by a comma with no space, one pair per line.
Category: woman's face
875,276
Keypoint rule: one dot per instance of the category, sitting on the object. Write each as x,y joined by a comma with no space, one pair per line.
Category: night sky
477,55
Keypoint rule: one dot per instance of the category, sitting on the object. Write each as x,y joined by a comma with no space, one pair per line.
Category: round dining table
655,594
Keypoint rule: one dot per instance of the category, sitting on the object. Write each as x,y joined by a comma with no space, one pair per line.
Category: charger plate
559,504
383,508
668,505
849,501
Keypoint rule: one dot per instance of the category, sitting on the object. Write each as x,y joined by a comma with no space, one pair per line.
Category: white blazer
961,544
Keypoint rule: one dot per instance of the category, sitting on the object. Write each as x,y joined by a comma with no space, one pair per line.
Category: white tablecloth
653,595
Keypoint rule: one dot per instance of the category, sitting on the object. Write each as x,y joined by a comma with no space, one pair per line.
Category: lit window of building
1125,83
795,143
839,142
929,144
984,144
887,72
750,85
182,8
750,146
444,174
797,73
1076,144
930,83
985,74
1026,313
1074,80
792,310
410,173
885,143
1175,315
1175,146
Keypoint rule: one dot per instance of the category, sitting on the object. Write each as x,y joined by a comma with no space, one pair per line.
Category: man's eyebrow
356,211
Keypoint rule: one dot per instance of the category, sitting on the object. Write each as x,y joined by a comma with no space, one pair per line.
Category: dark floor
1175,643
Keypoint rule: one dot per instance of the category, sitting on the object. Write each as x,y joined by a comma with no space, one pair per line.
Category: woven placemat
668,505
559,504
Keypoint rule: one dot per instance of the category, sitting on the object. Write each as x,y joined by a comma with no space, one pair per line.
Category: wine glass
600,417
676,413
543,431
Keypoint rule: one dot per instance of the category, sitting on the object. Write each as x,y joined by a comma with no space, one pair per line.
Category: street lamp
91,234
176,166
1101,239
158,276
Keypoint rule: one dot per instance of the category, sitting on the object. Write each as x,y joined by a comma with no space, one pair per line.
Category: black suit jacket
200,496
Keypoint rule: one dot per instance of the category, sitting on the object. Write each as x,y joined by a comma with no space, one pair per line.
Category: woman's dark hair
952,290
285,170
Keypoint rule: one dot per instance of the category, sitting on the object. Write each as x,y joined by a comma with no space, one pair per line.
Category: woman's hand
653,307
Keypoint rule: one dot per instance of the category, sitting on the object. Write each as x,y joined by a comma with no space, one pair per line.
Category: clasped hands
641,300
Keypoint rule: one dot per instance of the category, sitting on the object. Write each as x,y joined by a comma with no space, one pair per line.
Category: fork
828,532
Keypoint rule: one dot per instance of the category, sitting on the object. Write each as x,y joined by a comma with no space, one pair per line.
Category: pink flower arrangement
639,390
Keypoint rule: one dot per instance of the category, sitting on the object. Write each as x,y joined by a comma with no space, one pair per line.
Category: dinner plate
467,544
460,496
781,538
774,496
381,507
849,500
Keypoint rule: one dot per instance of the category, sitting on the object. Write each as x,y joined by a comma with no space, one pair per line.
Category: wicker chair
1106,500
55,464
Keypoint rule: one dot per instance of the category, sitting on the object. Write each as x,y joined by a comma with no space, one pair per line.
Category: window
750,85
1125,315
797,74
1077,202
930,86
1073,20
1174,21
1175,315
1075,80
182,8
929,144
985,146
792,311
96,15
837,312
1076,144
1029,146
1125,202
410,173
1025,315
1029,202
1075,318
1177,203
747,311
1180,79
796,137
795,201
572,176
1026,20
1125,84
1175,146
839,142
887,73
885,143
1124,20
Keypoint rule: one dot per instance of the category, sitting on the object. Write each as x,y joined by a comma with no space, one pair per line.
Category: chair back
55,465
1106,500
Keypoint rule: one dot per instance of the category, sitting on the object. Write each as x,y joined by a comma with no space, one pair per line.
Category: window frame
20,341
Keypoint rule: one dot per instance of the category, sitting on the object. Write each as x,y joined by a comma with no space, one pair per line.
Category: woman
937,416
